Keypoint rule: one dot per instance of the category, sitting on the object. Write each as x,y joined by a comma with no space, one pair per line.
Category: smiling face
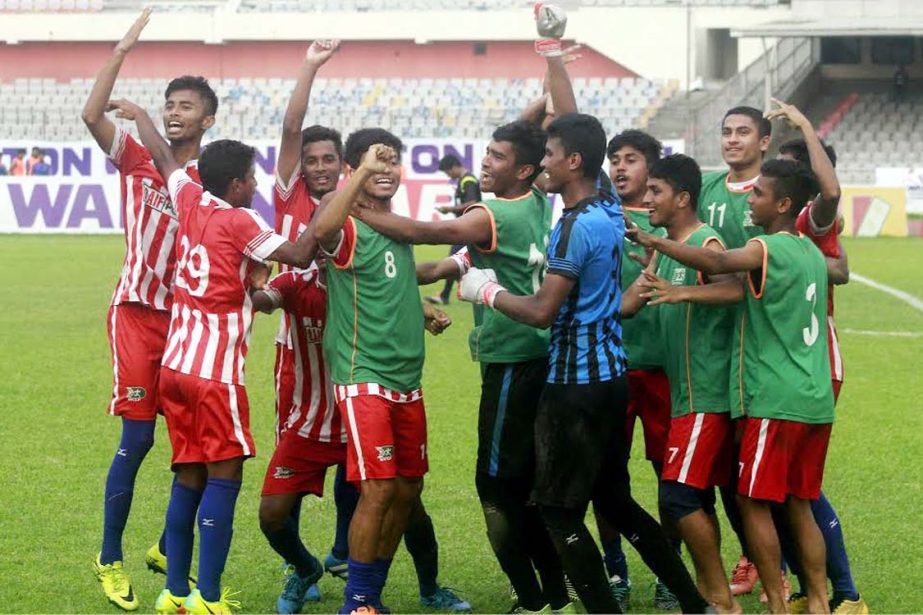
628,172
500,172
661,201
320,166
184,116
556,165
741,144
383,186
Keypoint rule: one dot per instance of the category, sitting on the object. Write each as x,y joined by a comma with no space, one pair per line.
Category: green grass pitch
56,444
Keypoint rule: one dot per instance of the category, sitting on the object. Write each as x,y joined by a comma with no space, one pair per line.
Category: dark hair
798,149
649,147
682,173
221,162
790,179
449,162
21,151
582,134
762,124
528,141
196,84
317,133
360,141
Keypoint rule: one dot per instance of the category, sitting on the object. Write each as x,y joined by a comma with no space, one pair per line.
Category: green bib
374,327
725,211
521,229
781,367
696,341
639,333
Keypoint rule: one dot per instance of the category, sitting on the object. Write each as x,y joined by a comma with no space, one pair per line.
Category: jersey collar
739,187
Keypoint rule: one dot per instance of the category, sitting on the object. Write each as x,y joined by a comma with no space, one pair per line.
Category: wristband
549,47
489,293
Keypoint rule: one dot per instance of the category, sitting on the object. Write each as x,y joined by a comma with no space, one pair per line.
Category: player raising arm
139,313
782,373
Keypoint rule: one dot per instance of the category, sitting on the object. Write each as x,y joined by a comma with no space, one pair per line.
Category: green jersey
781,369
639,333
696,340
374,329
517,255
723,206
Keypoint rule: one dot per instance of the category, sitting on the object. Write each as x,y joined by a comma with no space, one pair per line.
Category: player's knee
560,522
409,489
377,493
137,439
677,500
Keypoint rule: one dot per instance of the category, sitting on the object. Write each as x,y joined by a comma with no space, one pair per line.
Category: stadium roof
827,26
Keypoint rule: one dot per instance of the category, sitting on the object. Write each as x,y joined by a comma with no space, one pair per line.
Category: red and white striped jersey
218,249
313,413
150,224
294,208
828,242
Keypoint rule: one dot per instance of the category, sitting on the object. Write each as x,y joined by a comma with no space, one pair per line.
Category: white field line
882,333
907,298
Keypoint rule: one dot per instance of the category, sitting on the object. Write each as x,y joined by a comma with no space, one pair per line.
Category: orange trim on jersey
634,208
352,249
516,198
759,295
700,277
493,227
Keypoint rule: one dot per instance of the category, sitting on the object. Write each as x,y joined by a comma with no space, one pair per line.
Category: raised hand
378,158
124,109
571,54
321,50
131,37
550,20
789,113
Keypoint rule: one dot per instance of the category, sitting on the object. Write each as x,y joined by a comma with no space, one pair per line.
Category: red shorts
700,450
299,465
782,458
649,399
387,438
137,338
207,420
285,385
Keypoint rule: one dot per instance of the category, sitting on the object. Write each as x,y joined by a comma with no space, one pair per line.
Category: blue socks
360,586
216,526
180,534
346,497
837,560
137,439
614,558
420,539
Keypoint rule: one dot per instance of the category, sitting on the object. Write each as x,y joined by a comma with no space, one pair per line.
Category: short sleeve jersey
586,337
723,206
781,369
313,414
375,319
696,339
640,332
218,248
294,207
516,254
150,225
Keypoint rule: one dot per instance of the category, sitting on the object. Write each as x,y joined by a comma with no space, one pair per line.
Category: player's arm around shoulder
709,262
475,226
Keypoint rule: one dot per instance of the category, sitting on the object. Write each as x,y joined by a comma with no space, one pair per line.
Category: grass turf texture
57,444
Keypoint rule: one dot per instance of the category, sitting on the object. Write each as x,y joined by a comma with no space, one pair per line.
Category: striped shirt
149,218
219,246
294,207
586,337
313,414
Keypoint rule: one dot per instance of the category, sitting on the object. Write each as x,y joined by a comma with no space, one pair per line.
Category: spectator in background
41,167
899,86
35,158
467,193
3,169
18,163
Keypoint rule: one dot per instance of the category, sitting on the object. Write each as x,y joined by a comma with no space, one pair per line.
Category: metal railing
778,72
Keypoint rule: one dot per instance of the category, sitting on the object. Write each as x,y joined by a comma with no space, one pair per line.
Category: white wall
650,41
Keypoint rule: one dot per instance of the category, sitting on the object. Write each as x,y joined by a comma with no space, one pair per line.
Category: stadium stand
252,108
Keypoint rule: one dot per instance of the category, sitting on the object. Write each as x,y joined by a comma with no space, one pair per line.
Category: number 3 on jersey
811,332
390,266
